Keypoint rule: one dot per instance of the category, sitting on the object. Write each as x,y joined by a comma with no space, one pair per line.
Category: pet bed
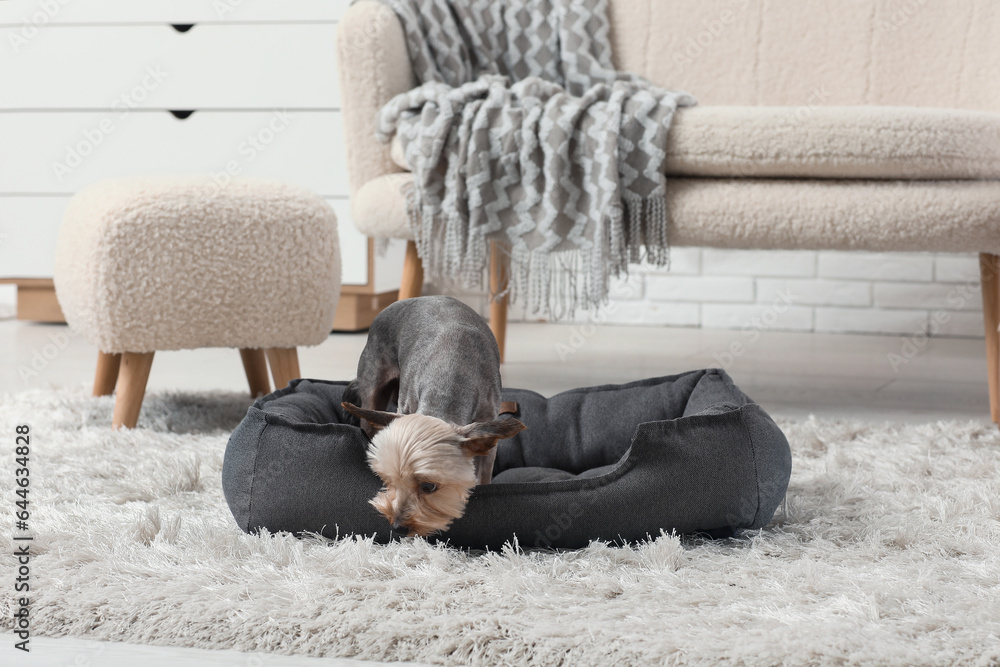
688,453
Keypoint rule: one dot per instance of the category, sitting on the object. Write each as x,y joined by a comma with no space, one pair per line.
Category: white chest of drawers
107,88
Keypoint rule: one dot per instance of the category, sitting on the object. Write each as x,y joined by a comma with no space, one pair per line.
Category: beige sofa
822,124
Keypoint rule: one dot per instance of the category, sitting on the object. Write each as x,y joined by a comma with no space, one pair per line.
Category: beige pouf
147,264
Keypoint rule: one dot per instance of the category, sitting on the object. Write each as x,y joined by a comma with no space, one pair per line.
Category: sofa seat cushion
829,142
816,214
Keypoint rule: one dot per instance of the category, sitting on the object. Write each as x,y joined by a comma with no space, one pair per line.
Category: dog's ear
481,437
373,417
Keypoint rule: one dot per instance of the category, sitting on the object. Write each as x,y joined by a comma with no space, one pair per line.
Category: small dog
437,358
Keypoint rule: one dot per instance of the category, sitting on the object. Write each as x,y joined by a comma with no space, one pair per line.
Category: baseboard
36,302
356,311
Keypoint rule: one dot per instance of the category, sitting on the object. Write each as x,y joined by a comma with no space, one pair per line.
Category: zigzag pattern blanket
523,132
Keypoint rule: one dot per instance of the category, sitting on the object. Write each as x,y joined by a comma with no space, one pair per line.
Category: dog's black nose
398,529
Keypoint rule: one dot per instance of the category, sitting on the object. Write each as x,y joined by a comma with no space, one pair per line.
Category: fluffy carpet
887,552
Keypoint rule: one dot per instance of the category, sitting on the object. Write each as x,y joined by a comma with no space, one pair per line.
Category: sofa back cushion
940,53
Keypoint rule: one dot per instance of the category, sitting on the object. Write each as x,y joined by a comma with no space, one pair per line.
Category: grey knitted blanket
523,132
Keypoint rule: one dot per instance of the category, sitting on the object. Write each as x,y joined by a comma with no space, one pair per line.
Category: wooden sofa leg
284,362
131,388
412,283
107,373
989,266
499,266
255,365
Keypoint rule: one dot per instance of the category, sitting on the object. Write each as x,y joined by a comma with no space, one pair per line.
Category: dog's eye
428,487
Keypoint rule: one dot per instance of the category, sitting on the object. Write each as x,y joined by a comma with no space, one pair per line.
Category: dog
439,361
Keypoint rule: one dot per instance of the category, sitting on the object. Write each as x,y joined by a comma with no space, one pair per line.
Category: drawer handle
181,27
181,114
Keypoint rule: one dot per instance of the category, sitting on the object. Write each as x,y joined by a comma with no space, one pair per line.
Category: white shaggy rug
888,553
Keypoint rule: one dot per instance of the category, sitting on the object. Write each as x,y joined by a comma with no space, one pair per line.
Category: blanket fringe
648,233
551,284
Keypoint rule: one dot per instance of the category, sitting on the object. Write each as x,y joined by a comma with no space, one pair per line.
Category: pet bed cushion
688,453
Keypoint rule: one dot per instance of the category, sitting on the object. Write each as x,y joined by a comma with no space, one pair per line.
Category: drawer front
211,66
39,14
29,227
58,153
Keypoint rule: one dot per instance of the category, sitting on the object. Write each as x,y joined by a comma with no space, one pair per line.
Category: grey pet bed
687,453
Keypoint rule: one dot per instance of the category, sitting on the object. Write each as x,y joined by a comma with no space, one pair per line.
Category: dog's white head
426,466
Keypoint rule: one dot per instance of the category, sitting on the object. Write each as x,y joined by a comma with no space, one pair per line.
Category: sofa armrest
374,67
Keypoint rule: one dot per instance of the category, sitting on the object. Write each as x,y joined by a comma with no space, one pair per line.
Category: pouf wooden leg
989,265
499,267
284,363
107,373
412,282
131,388
255,365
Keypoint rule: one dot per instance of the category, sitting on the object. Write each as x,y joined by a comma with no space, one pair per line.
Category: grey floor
791,374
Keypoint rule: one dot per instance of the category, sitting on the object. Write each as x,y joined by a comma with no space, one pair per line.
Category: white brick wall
817,291
890,293
956,268
727,289
758,263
